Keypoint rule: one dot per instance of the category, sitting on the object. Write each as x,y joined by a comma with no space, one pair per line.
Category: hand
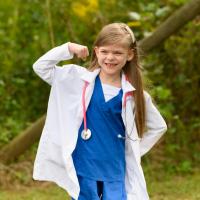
79,50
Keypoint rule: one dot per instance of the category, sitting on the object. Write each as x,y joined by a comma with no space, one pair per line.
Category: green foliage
172,69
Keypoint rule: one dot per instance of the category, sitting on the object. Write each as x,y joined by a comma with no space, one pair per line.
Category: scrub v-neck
101,91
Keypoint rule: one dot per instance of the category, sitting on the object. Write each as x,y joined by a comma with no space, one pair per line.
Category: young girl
99,120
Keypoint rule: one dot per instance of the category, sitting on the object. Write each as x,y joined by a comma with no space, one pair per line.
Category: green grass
51,192
160,188
175,187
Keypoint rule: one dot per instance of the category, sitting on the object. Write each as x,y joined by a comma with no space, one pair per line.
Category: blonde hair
120,33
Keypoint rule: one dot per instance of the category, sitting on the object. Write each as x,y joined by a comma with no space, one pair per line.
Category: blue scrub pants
101,190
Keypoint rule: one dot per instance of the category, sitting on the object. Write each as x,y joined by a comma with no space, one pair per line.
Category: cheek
100,58
122,60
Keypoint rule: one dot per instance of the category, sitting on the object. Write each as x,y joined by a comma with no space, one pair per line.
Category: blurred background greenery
172,73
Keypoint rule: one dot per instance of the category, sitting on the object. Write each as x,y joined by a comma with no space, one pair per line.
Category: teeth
110,65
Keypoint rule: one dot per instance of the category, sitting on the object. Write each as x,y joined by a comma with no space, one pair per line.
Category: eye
118,53
103,51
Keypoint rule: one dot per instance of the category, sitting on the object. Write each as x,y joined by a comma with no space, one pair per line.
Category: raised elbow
164,127
35,67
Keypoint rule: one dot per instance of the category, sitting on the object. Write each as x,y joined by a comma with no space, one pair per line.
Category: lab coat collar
126,85
89,76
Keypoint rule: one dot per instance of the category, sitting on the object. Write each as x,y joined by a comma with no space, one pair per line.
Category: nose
110,56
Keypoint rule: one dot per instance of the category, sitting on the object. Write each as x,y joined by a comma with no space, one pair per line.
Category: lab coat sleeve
155,125
45,66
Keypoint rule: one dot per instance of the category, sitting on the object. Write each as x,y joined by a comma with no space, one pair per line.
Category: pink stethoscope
86,133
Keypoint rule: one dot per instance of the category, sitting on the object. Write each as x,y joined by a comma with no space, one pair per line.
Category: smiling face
112,58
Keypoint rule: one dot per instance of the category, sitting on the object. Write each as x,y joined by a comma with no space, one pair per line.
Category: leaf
134,24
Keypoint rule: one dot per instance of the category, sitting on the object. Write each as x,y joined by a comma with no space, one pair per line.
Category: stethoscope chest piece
86,134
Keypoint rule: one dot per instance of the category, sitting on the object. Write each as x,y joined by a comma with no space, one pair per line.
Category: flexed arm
45,66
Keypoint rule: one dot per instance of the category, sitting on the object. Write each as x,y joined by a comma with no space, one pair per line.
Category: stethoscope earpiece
120,136
126,137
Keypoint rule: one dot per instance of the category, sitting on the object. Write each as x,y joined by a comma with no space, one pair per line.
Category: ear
130,55
96,50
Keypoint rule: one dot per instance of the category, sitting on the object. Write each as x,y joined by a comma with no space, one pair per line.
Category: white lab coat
64,116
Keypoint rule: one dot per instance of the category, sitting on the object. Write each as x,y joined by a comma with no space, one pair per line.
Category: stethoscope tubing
84,106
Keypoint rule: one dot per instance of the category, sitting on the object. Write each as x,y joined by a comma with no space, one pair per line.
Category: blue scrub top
102,157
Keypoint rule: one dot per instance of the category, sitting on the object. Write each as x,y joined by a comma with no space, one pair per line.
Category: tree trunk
170,26
175,22
22,142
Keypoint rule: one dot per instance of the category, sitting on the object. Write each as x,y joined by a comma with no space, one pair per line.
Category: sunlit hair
120,33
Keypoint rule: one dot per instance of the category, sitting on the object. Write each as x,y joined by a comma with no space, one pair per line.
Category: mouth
110,64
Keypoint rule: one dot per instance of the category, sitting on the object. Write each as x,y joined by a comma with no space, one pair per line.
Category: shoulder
147,96
149,100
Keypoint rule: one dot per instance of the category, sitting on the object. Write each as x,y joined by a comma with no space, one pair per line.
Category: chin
111,71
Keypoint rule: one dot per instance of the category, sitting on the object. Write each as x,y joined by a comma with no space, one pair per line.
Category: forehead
113,47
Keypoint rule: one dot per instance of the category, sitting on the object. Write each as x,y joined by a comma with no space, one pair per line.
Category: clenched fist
79,50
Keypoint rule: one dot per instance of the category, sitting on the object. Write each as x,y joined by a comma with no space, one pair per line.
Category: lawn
168,188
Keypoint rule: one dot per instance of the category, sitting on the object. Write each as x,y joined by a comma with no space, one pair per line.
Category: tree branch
173,24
